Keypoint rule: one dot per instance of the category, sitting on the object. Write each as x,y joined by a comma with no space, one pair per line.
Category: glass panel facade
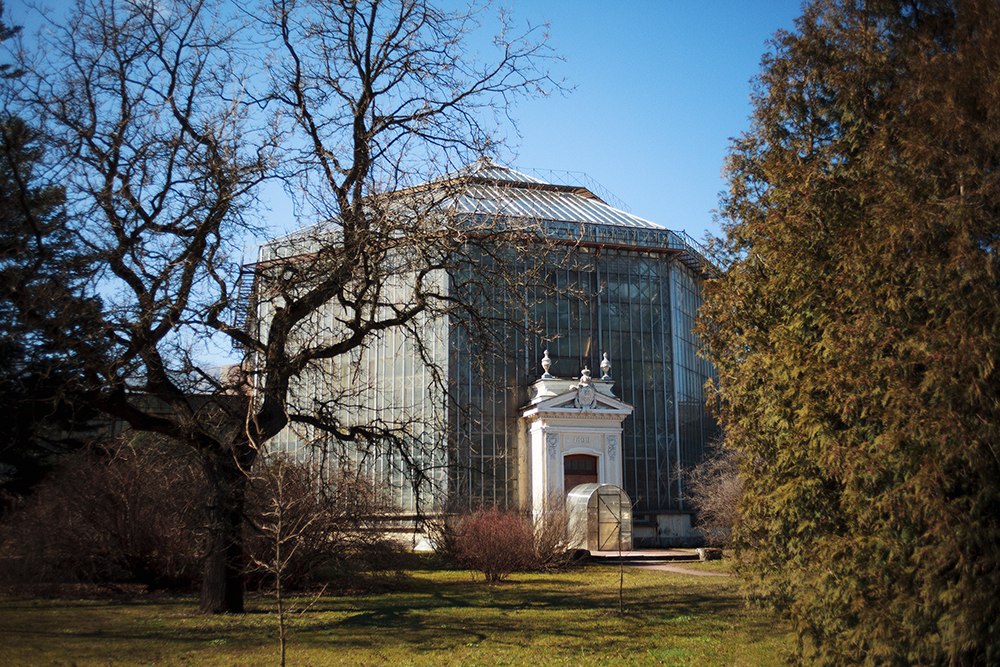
695,426
620,285
386,383
614,301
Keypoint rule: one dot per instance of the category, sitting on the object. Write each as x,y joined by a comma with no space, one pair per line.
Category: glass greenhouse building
621,286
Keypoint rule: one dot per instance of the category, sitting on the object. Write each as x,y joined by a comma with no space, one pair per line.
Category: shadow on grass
457,612
437,610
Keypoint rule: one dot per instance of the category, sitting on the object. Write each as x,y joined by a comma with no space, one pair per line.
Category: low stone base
708,553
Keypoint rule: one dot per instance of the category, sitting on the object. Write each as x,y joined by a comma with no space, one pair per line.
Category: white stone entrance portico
573,431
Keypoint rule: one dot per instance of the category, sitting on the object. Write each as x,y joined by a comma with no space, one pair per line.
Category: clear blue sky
660,88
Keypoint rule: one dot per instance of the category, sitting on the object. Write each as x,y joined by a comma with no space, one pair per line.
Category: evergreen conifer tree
41,269
857,331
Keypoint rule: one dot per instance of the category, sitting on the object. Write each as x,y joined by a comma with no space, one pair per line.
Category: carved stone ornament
586,395
546,365
612,447
552,441
605,368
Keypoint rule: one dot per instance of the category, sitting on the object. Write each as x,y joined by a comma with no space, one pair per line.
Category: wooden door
579,469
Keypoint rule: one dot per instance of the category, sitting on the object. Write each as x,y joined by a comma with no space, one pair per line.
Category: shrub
325,526
714,488
135,512
127,513
551,538
442,531
496,543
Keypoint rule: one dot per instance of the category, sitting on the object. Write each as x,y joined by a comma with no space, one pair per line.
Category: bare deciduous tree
141,108
289,515
165,118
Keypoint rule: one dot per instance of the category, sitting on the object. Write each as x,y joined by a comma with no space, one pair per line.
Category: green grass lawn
435,617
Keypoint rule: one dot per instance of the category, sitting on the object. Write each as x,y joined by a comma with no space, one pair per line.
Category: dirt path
679,569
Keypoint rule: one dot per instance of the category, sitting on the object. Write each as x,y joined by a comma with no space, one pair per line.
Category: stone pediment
573,401
579,396
580,401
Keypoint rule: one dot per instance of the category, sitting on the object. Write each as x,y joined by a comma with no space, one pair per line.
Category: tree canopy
163,120
856,331
41,271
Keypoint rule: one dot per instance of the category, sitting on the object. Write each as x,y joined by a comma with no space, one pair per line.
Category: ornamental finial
605,368
546,365
585,376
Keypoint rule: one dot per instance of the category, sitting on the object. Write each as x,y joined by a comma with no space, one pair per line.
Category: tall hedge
856,329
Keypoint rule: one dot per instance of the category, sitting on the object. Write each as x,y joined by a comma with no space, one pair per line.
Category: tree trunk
225,562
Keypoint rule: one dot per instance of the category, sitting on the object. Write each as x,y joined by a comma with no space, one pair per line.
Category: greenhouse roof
571,213
501,191
539,204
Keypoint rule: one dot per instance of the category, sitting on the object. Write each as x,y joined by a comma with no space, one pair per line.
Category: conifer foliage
41,271
857,331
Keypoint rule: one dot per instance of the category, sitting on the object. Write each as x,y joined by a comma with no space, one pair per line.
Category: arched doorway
579,469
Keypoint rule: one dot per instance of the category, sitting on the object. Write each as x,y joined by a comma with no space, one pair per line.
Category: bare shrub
496,543
134,513
443,533
303,526
453,534
551,537
129,513
714,488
